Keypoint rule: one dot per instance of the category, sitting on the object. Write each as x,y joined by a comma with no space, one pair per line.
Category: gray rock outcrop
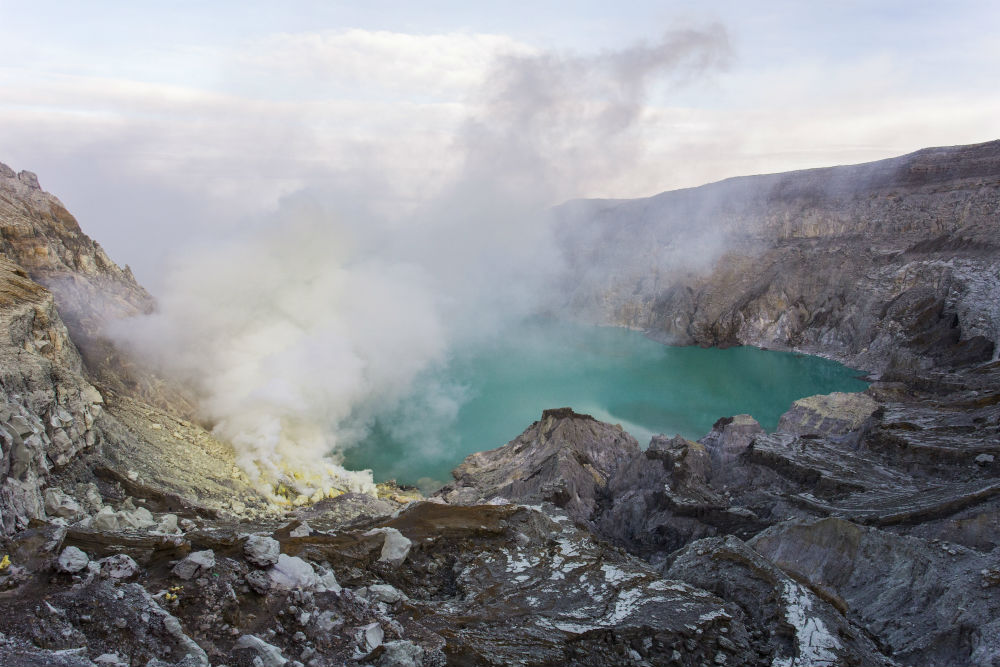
564,458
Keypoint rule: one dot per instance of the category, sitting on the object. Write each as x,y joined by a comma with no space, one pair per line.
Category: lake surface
486,396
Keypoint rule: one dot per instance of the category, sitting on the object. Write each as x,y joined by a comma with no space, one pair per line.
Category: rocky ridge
861,532
885,265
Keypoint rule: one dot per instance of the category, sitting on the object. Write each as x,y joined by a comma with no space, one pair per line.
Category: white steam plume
294,337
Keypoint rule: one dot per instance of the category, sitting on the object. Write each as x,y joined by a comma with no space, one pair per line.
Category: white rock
168,525
395,548
304,530
59,504
137,519
119,566
401,653
328,582
105,520
982,459
73,560
195,564
385,593
261,551
292,572
369,637
269,655
110,660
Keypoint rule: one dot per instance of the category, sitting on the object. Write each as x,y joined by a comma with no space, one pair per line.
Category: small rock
269,655
259,581
137,519
328,620
106,520
984,459
292,572
73,560
369,637
195,564
328,582
403,653
119,566
110,660
395,548
303,530
59,504
29,178
261,551
168,525
385,593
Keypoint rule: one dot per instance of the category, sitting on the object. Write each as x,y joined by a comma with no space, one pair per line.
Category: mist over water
615,375
298,333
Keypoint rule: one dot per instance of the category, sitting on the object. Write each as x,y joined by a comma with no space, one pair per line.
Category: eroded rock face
890,265
564,458
926,602
789,623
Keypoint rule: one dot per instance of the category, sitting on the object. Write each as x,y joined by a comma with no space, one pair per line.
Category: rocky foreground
864,531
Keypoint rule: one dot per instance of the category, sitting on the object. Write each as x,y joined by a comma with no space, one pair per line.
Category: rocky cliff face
91,291
883,265
74,428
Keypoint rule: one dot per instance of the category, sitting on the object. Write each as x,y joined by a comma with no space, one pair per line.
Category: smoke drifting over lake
294,336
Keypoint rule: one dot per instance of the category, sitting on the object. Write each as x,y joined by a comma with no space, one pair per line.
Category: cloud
374,64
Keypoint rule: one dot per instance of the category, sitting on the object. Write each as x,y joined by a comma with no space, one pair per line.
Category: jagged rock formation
747,515
564,458
886,265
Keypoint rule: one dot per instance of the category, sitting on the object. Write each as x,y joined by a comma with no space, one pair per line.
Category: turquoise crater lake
487,395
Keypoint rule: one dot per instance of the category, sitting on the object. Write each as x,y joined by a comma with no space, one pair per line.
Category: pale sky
162,123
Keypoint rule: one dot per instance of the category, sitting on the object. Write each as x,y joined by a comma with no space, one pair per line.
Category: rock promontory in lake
864,530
